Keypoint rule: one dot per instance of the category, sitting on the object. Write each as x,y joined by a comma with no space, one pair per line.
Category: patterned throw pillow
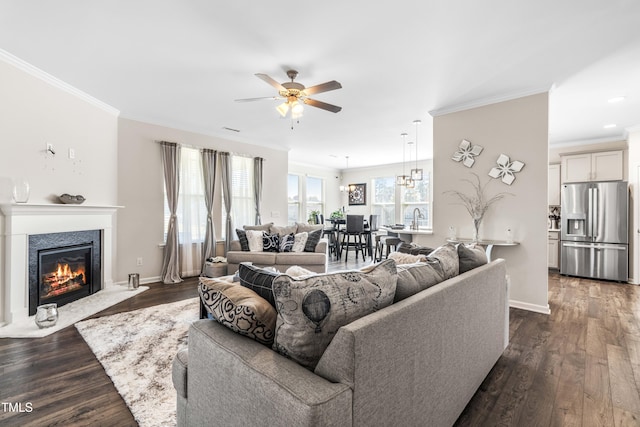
312,240
299,242
255,240
258,280
286,242
311,309
238,308
242,238
270,242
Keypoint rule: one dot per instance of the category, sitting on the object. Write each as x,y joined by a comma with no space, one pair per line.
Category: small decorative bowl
68,199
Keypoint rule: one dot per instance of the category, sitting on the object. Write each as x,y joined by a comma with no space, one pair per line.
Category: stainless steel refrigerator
594,233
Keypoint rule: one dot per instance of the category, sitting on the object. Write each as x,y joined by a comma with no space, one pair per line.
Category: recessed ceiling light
615,99
609,126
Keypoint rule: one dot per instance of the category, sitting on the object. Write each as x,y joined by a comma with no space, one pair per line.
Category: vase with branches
478,203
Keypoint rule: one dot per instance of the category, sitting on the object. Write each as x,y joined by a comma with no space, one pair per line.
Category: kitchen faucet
416,215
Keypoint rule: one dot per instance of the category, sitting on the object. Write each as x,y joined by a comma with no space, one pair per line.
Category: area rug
71,313
137,349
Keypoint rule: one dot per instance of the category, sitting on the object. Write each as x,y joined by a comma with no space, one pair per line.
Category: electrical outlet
72,153
139,261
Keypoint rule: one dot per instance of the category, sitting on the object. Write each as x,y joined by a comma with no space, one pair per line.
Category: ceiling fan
295,94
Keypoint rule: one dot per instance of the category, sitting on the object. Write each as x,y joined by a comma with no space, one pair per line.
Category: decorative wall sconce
506,169
467,152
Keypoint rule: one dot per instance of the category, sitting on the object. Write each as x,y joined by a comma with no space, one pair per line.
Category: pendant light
417,173
402,179
410,182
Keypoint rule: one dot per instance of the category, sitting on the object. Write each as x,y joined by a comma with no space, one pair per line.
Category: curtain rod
195,147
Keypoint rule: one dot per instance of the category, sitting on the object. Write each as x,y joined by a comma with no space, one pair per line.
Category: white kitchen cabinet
554,185
553,251
599,166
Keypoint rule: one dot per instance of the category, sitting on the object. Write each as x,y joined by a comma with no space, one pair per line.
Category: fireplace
63,267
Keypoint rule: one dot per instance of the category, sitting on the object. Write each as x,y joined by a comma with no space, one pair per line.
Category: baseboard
530,307
143,281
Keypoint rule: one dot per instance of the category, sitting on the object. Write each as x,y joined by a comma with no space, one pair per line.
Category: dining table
339,224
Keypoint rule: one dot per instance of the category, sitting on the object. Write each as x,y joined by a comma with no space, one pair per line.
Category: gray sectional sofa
416,362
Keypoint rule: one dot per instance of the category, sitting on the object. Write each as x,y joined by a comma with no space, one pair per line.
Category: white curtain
192,212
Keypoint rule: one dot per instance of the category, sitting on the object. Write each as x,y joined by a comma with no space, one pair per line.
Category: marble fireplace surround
21,220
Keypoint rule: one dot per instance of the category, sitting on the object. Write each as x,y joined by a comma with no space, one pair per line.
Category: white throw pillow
255,240
300,241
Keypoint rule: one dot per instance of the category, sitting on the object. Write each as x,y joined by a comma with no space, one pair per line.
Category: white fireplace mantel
19,221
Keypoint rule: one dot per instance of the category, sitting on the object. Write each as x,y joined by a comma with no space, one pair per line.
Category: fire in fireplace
63,267
64,271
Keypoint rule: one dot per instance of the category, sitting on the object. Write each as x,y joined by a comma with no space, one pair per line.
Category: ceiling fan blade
257,99
271,81
324,87
323,105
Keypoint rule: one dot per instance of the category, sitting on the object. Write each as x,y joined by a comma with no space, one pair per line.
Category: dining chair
352,236
330,232
370,230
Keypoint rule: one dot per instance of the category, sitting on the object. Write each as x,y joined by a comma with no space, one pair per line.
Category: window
315,195
191,211
243,207
396,204
293,199
384,199
304,195
418,197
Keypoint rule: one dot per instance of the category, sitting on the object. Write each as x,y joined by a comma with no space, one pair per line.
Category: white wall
141,191
365,175
36,109
519,129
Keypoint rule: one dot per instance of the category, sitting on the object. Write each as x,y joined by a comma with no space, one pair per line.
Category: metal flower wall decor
506,169
467,152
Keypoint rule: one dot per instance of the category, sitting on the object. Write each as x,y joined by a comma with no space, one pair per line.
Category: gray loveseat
315,261
416,362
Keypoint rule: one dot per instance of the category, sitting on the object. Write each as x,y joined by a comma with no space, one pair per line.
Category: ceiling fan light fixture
296,109
283,109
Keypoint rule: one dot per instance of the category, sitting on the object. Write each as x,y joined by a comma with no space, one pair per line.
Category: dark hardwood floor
579,366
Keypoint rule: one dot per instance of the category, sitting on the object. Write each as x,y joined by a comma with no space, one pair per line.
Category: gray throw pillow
311,309
471,256
261,227
413,278
447,257
414,249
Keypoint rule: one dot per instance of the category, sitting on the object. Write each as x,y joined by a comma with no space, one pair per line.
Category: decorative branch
478,203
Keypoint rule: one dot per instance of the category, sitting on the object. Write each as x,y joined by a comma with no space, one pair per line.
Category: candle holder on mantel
21,190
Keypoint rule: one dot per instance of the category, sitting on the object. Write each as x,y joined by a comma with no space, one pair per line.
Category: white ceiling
182,63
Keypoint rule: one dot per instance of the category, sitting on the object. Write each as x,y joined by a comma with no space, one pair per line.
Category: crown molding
591,141
55,82
488,101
